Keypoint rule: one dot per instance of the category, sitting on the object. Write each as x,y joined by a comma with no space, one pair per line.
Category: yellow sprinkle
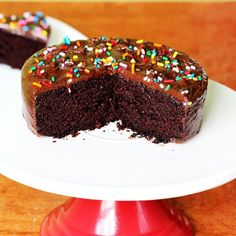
109,48
75,58
138,52
153,62
139,41
190,103
157,45
109,44
96,50
175,54
87,70
167,62
160,64
132,68
132,65
195,78
30,71
12,25
44,33
37,84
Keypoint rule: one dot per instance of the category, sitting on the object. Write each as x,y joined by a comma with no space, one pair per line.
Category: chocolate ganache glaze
153,89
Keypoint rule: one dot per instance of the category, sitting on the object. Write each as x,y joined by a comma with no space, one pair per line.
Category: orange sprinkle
157,45
87,70
78,43
69,75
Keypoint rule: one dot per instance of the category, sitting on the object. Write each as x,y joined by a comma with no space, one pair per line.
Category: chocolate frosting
156,65
31,25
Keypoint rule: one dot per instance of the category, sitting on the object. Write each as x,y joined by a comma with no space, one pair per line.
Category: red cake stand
119,184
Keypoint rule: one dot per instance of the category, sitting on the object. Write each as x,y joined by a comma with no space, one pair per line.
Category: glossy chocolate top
153,64
32,25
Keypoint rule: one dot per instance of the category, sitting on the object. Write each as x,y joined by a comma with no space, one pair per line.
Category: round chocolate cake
150,88
21,36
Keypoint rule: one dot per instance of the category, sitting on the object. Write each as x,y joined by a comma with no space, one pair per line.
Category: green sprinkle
148,53
199,77
77,75
53,59
177,78
53,78
167,87
108,53
36,54
165,58
33,68
115,67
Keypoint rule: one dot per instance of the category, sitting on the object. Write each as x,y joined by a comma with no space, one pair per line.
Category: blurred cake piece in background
21,36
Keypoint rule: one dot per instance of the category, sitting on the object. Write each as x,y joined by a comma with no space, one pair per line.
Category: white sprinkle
193,67
75,47
69,90
175,63
62,54
90,49
135,48
185,103
187,67
13,17
69,63
27,14
145,78
123,64
69,81
184,92
161,86
80,64
42,71
170,49
148,72
142,56
45,52
176,69
142,51
159,78
100,50
1,15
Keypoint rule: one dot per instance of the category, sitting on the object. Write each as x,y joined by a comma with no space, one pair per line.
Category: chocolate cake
21,36
152,89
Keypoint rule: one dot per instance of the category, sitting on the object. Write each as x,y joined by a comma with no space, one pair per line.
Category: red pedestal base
80,217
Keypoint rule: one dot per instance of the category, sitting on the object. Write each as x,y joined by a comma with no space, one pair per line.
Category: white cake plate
107,165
